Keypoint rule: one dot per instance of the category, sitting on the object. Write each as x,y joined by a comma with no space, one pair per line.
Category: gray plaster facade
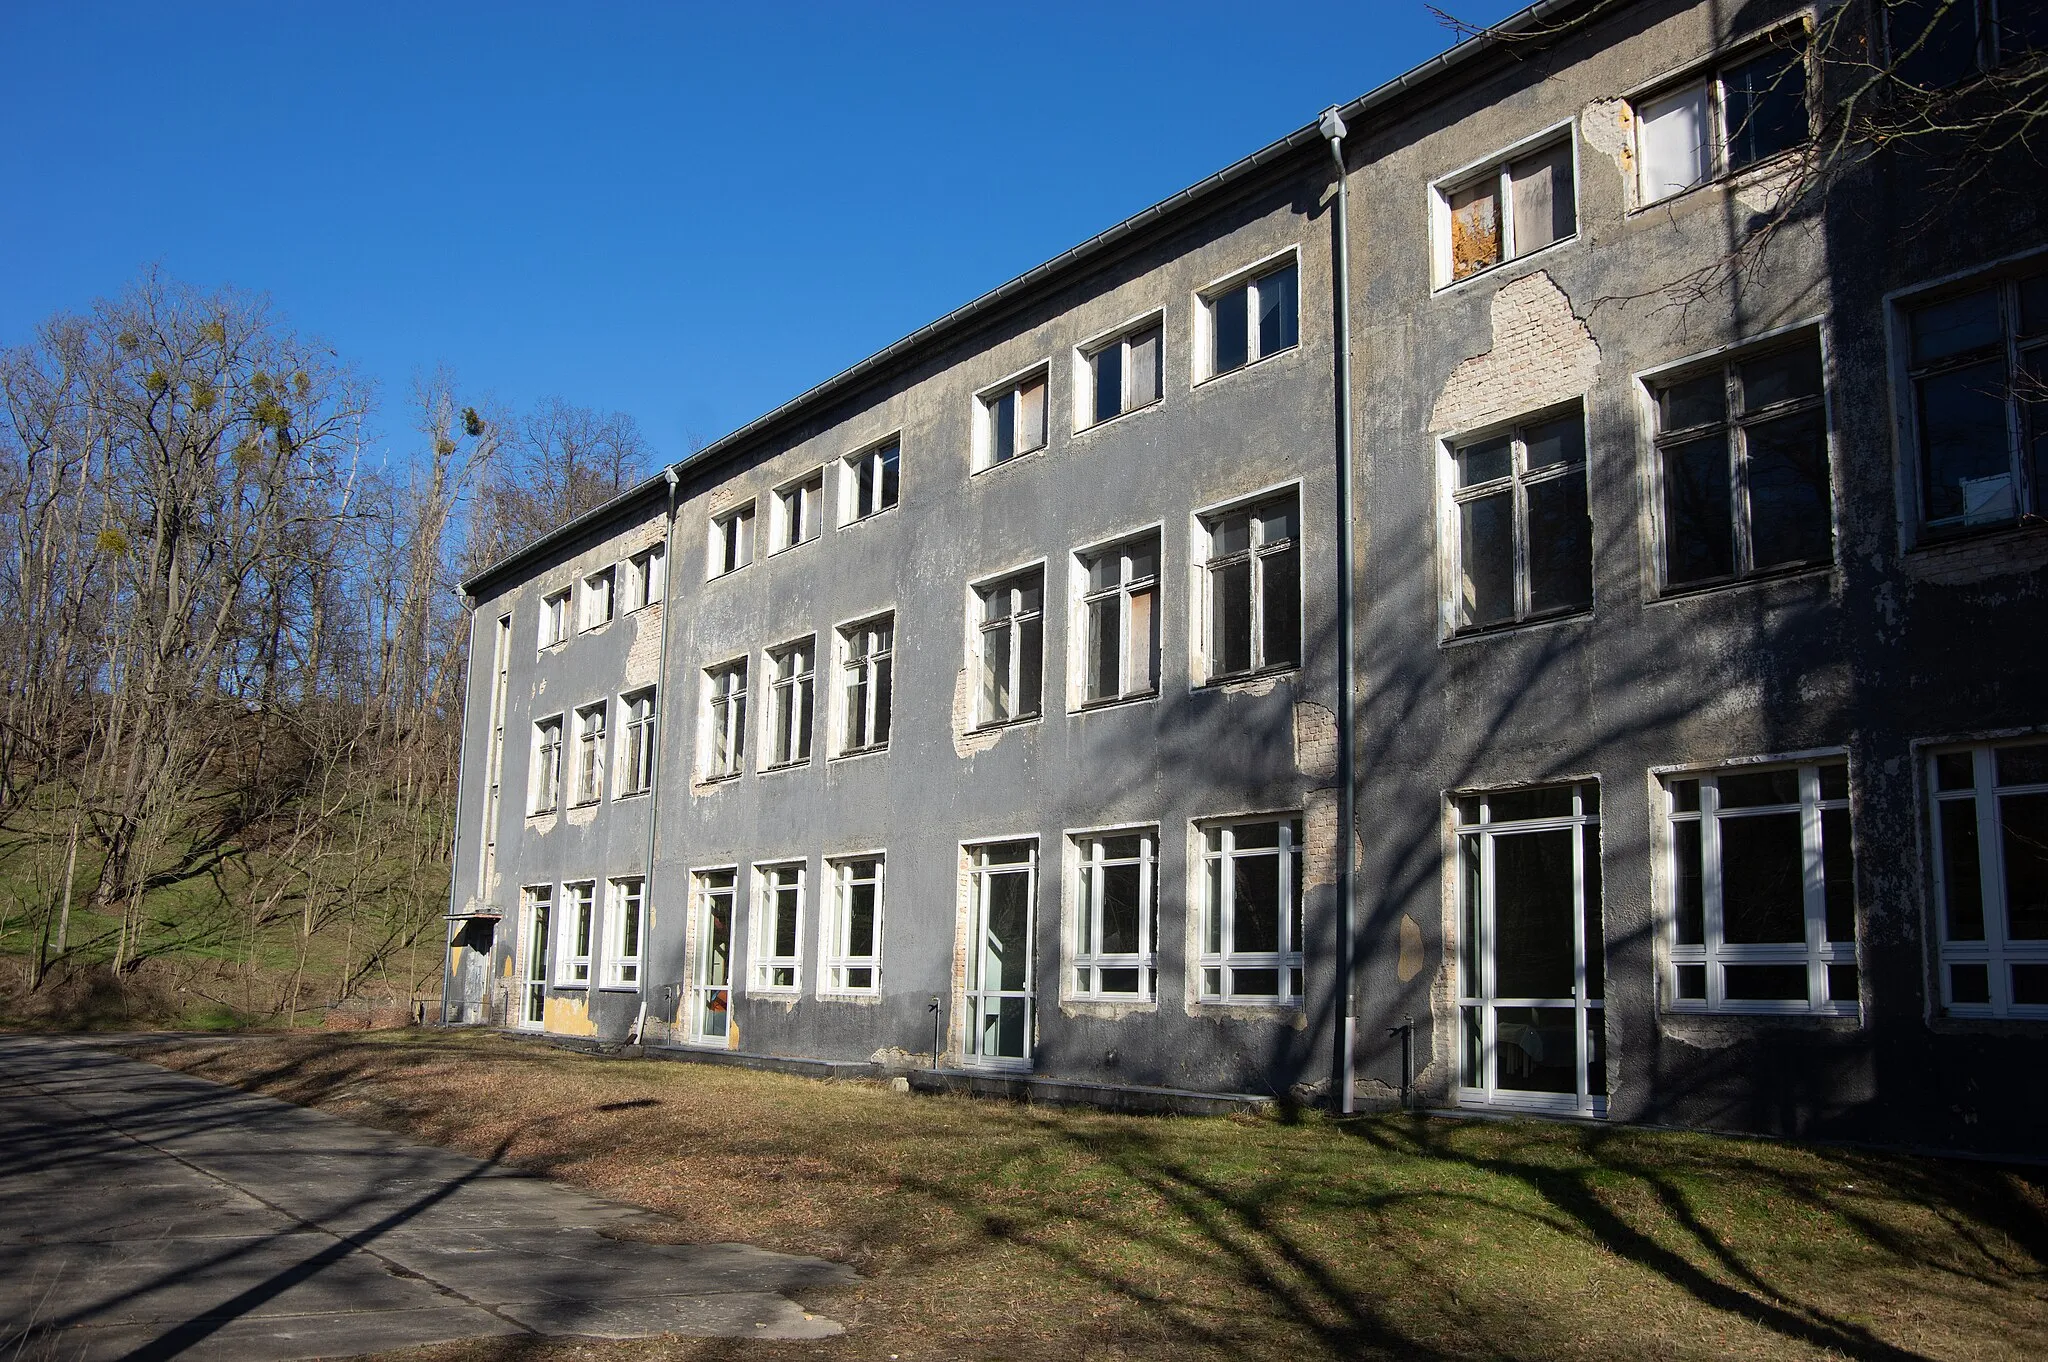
1847,675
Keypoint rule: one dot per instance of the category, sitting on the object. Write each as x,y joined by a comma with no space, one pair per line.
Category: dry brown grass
994,1230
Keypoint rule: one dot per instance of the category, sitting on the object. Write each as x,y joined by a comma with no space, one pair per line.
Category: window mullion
1991,875
1815,884
1710,888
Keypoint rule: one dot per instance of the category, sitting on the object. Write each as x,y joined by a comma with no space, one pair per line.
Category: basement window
778,929
732,540
725,720
1513,207
1740,115
1116,917
1762,891
853,947
1990,837
1251,912
1523,537
623,932
1123,373
580,899
1012,420
1010,648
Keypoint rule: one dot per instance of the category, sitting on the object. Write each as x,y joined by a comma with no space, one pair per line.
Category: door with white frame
533,985
1531,951
1001,924
710,994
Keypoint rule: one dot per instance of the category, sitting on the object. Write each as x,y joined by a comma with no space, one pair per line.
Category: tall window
725,720
1249,319
711,957
623,931
1013,420
590,754
547,764
853,948
1763,894
1124,373
638,757
1743,113
494,762
1524,539
1012,647
1742,452
554,618
872,480
646,577
597,598
865,682
1253,580
799,511
1991,877
732,540
1251,912
1509,209
778,929
1116,919
790,682
1119,605
580,899
1979,366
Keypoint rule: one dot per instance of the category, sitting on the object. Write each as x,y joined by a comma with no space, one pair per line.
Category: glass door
999,973
710,1002
539,941
1530,950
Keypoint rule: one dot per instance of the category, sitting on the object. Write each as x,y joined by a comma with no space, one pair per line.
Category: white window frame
764,964
863,672
988,399
1082,601
1496,165
1089,961
1214,964
1997,952
598,599
494,759
579,937
789,717
1517,481
870,463
625,930
1012,626
637,738
732,538
841,962
1816,954
798,511
1210,294
588,784
646,577
545,795
725,720
1707,82
1207,670
554,619
1118,338
709,997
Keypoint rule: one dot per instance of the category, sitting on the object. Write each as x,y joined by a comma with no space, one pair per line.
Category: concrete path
147,1215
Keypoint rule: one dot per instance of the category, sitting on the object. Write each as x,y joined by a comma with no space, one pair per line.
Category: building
980,711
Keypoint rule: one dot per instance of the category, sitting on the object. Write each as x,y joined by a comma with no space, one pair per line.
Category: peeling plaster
1315,741
967,740
1410,963
566,1015
1542,353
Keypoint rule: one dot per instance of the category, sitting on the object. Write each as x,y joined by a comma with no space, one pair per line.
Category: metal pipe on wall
1333,130
661,696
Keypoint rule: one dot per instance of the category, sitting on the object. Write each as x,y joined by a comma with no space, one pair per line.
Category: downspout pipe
455,835
661,697
1333,130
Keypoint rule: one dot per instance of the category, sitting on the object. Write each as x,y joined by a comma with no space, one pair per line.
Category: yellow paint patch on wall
568,1016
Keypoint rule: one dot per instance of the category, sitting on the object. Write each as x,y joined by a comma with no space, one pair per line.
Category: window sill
721,576
585,804
1464,636
790,992
1106,422
1780,574
632,794
849,995
643,607
998,725
791,548
853,752
579,985
870,517
1477,276
1240,679
711,782
1729,179
618,988
1119,702
781,766
1010,462
1285,352
1766,1012
539,815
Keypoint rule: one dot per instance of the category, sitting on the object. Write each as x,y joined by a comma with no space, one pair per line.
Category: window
1249,319
623,931
1251,913
554,618
1012,420
646,577
1742,454
1001,973
725,720
732,540
790,680
589,754
547,764
1746,112
1253,580
597,599
1123,373
494,758
538,959
1991,878
1939,43
638,757
710,1010
1119,607
865,683
1116,919
799,511
1762,891
1524,539
581,901
853,948
1511,208
1011,647
871,481
778,929
1979,372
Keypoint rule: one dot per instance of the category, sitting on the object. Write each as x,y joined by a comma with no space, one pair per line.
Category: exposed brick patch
1970,561
1315,741
1541,354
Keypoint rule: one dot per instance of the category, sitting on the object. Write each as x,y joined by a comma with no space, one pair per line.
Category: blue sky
686,213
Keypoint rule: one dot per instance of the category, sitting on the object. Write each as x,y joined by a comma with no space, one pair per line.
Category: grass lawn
986,1229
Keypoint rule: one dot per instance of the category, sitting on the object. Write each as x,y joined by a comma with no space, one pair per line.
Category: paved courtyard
146,1214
